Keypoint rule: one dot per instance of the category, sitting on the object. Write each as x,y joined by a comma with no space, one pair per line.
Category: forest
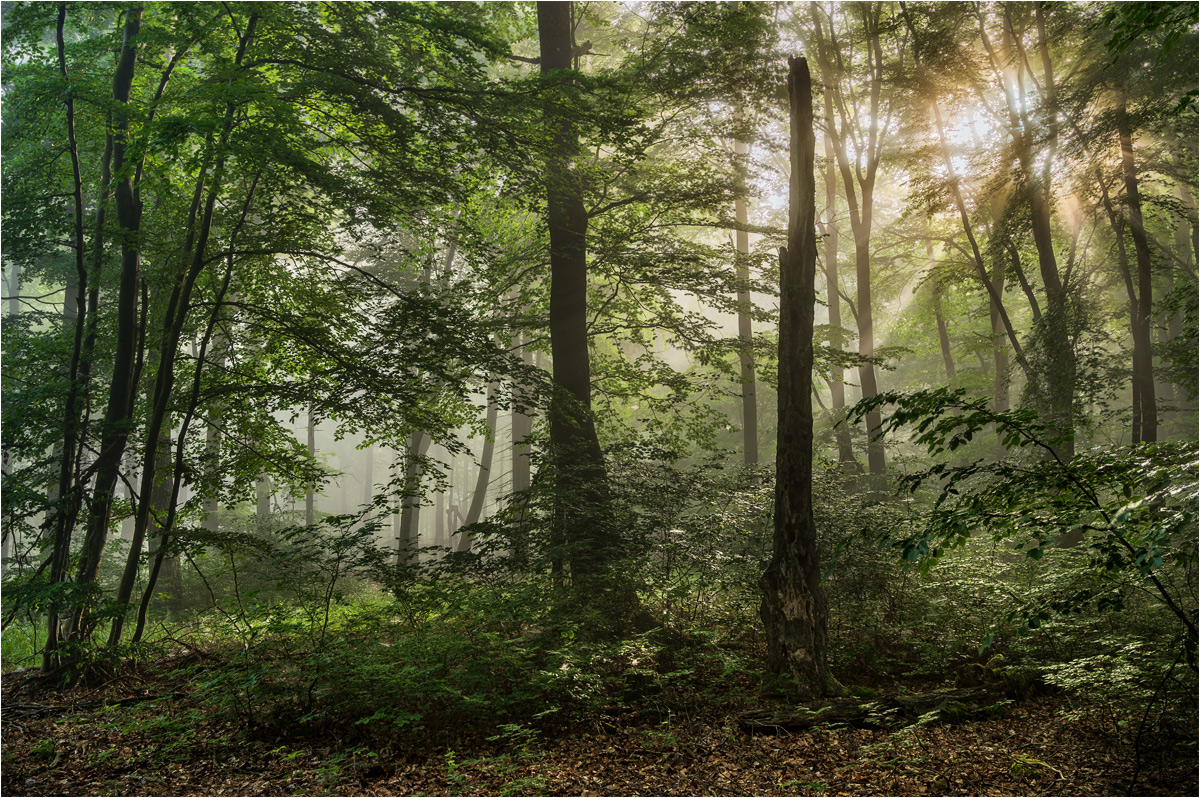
600,398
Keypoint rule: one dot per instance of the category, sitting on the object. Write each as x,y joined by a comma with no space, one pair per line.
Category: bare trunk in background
482,481
745,329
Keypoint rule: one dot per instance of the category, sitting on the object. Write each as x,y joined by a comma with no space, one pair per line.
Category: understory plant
1114,526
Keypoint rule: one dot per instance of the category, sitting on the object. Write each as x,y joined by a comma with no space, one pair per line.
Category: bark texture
793,610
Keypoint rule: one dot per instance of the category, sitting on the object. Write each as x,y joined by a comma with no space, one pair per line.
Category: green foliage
1119,520
320,649
1166,22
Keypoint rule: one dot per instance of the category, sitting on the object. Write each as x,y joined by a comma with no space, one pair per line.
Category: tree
119,412
833,298
793,608
578,462
483,480
745,324
860,175
1034,144
235,183
1133,508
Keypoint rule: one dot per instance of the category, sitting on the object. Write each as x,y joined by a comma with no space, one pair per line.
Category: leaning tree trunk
479,497
793,608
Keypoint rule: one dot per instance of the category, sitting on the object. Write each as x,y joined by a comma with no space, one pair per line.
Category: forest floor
124,739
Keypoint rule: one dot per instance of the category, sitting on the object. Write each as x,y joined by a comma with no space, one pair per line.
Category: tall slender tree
579,468
120,407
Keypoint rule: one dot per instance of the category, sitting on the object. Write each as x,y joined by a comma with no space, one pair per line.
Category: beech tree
578,462
858,135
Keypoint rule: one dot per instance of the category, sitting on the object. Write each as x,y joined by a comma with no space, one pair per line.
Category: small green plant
816,786
1029,767
661,736
518,737
335,769
454,776
526,785
45,750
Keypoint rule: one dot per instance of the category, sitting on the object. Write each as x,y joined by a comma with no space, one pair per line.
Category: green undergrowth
408,670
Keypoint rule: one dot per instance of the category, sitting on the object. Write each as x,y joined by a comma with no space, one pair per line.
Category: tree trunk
522,427
995,292
1173,329
1053,389
1000,401
793,608
479,497
174,320
876,463
935,290
368,475
837,384
1059,369
1117,222
7,546
119,412
439,520
212,440
745,330
152,472
580,525
64,498
162,499
262,496
310,495
1143,363
861,215
14,289
410,512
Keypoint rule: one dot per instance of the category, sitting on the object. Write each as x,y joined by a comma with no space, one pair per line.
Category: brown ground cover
126,739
